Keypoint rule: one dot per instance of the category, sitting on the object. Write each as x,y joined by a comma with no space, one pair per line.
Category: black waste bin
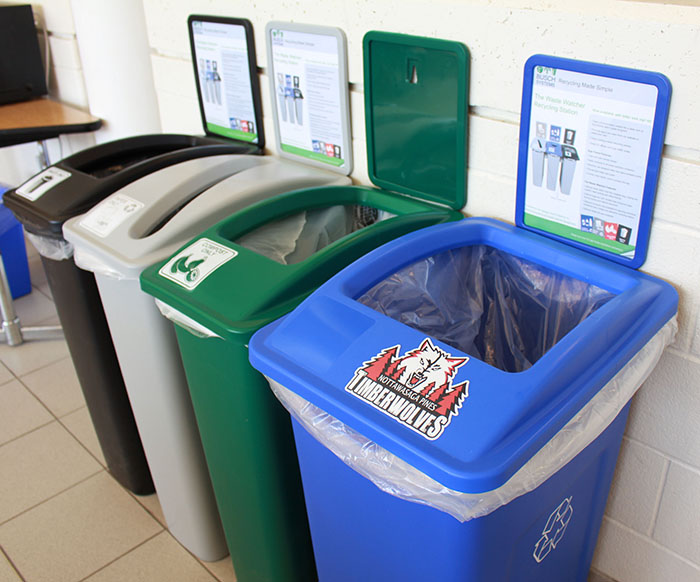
72,187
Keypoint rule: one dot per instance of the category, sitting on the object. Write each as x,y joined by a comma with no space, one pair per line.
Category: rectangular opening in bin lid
226,75
416,116
123,158
307,66
502,309
591,138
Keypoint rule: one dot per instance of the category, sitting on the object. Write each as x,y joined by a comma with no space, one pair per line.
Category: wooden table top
40,119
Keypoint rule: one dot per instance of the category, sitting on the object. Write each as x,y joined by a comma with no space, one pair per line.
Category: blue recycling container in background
14,251
459,395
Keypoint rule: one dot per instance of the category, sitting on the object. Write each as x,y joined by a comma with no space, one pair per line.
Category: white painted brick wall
642,470
651,532
677,528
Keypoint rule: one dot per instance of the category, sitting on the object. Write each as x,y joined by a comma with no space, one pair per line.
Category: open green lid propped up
416,115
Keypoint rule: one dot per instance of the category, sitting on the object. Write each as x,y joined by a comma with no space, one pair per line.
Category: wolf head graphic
427,365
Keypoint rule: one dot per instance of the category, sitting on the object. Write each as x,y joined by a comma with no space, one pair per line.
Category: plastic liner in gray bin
396,477
295,238
86,261
503,310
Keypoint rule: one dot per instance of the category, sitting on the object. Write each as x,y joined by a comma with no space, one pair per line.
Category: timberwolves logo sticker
415,389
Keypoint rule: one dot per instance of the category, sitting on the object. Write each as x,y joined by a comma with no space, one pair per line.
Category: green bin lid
416,115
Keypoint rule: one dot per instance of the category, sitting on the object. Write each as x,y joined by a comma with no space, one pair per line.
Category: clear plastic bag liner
275,240
89,262
295,238
185,322
398,478
51,248
494,306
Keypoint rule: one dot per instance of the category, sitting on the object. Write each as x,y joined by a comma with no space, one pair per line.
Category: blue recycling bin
464,390
459,394
14,251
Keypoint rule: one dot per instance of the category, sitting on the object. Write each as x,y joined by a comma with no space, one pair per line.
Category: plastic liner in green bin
295,238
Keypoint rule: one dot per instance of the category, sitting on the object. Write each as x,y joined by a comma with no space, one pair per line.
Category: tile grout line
28,372
14,567
166,530
53,496
10,380
207,570
196,559
56,418
145,508
136,499
39,400
48,408
36,428
19,379
83,445
122,555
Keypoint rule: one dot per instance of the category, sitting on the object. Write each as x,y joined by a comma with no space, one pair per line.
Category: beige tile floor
62,516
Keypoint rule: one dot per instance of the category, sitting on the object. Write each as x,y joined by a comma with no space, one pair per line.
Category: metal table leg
12,332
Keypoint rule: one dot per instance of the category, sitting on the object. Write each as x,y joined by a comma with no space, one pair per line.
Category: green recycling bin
262,261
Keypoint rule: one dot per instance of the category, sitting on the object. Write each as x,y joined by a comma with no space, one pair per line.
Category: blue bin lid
337,353
617,118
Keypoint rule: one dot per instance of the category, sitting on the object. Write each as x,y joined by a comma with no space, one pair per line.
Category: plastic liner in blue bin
479,370
504,310
535,340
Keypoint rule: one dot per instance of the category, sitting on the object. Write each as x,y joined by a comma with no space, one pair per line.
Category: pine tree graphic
393,371
379,364
452,400
427,390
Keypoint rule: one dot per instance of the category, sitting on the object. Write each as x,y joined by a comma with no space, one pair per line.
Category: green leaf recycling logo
196,262
189,269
